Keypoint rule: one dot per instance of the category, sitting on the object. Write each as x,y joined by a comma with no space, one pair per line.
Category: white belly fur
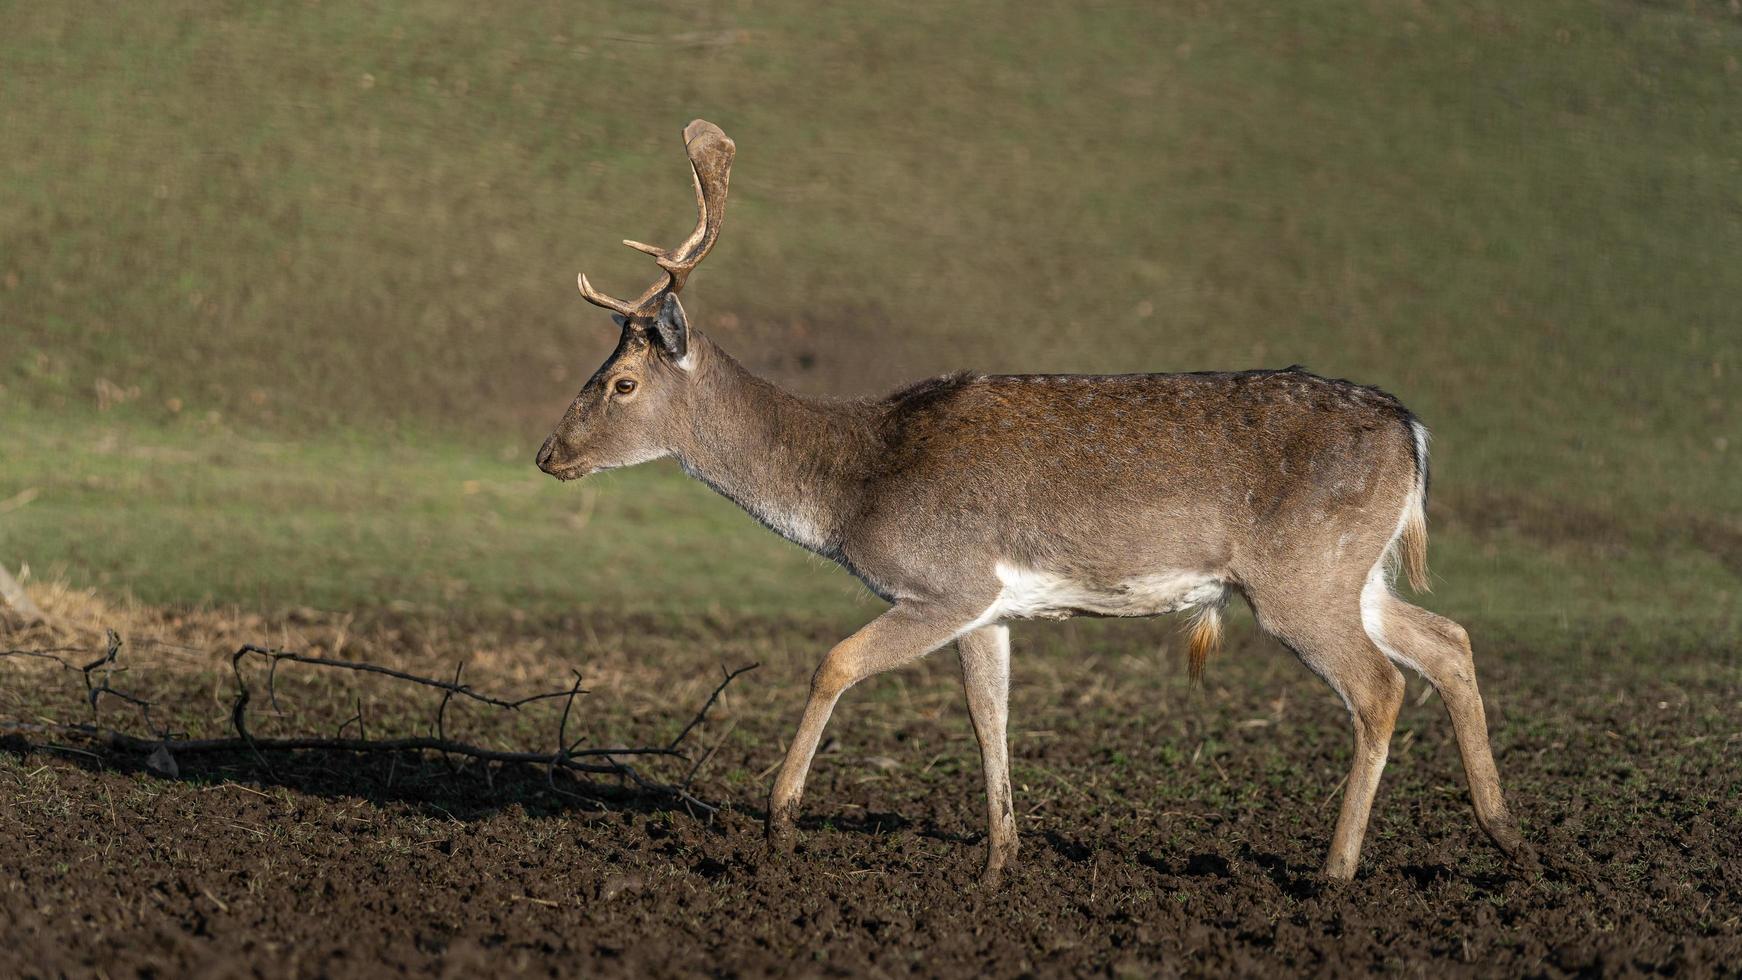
1033,594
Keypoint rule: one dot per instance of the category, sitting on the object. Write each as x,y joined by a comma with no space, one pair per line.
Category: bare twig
453,687
95,692
729,678
49,653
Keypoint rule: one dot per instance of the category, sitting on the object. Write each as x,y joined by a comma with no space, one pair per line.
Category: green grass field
287,302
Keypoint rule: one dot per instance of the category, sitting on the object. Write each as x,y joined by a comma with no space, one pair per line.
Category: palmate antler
710,152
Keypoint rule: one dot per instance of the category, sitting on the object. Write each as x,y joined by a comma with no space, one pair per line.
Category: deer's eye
624,386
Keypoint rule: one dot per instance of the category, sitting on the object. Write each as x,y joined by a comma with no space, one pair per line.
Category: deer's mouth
564,471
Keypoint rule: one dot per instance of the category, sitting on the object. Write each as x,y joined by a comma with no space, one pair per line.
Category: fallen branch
162,745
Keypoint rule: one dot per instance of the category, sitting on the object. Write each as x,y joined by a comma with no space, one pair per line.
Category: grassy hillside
329,226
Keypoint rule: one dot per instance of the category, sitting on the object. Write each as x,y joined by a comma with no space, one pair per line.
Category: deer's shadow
466,790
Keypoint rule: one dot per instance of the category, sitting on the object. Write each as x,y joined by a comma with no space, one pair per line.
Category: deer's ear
672,328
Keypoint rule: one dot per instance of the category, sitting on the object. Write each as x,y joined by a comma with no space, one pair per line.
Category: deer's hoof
1527,862
998,857
1338,871
780,832
1505,835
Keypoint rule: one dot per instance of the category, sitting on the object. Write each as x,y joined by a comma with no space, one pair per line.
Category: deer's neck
793,463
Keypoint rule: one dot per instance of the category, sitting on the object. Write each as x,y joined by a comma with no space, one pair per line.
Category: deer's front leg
902,635
986,679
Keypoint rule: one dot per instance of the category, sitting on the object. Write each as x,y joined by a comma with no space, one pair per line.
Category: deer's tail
1205,639
1409,547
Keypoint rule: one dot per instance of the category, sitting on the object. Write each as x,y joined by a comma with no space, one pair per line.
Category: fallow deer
971,500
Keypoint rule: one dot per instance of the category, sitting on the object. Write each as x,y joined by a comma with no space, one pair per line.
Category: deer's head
630,410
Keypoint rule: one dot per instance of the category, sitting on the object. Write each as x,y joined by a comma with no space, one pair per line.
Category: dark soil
1166,829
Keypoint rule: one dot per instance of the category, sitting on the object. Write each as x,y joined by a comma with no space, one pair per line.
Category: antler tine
597,298
710,151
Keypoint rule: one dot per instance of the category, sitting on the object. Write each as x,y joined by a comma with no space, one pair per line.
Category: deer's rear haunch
969,501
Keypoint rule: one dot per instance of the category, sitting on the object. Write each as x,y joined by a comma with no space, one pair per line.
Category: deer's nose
546,452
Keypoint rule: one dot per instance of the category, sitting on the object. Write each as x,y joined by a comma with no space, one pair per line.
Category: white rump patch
1034,594
1373,597
1377,588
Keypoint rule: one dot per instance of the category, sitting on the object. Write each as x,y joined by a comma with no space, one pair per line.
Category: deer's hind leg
1439,650
1323,628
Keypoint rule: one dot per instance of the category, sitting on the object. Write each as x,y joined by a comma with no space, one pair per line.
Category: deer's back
1064,471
